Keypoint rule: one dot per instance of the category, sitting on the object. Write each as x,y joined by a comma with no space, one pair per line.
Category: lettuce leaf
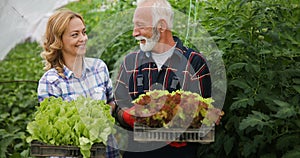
80,123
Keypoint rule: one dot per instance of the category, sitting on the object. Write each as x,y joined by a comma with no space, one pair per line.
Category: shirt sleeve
109,86
201,77
122,97
47,88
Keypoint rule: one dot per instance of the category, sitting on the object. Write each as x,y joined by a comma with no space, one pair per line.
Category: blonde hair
52,45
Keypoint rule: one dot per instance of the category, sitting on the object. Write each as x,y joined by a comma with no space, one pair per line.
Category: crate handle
74,152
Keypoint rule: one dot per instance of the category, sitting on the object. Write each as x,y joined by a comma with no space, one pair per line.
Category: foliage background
260,45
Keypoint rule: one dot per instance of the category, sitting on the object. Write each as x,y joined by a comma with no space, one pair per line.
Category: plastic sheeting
20,20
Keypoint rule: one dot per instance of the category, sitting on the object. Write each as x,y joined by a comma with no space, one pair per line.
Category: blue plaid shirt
94,82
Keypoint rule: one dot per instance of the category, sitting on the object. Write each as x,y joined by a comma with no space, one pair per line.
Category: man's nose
135,32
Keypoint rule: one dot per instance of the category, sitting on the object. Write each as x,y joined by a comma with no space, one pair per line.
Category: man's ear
162,25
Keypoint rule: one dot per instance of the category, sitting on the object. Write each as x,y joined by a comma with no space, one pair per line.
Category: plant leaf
228,145
236,66
256,119
281,103
295,153
240,84
241,103
297,88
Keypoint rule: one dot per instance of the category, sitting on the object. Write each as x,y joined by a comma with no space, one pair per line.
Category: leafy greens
81,122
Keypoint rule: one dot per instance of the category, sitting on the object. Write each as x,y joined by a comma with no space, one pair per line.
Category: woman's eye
74,35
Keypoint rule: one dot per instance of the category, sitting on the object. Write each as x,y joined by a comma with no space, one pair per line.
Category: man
161,63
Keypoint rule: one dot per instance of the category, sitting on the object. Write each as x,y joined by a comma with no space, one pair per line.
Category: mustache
140,38
154,37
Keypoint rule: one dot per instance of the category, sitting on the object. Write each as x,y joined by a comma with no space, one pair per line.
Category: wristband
128,118
178,144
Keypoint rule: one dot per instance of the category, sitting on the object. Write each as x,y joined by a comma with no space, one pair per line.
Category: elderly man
161,63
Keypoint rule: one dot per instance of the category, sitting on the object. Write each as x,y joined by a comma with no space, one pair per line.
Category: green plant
81,122
260,41
180,109
20,72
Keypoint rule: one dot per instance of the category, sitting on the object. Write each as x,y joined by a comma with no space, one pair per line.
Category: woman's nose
83,37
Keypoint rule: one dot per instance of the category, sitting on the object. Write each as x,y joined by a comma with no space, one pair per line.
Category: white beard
150,42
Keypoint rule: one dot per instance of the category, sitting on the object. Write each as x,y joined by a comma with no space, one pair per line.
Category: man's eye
140,26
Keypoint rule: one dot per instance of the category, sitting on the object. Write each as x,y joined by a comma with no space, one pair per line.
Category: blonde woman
69,73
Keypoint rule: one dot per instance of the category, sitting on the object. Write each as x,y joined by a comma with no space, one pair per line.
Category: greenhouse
252,49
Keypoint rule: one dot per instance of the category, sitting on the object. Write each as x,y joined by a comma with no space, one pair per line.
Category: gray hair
161,9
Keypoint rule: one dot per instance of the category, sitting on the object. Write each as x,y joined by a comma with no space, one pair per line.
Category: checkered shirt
185,69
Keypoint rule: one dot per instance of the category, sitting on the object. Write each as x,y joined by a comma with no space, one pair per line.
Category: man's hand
215,115
128,116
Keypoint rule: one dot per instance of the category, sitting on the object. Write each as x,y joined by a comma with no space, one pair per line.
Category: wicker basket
39,149
202,135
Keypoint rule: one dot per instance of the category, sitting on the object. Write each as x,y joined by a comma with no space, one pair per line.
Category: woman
69,73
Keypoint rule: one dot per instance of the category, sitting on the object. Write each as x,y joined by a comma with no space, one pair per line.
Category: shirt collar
69,73
179,50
